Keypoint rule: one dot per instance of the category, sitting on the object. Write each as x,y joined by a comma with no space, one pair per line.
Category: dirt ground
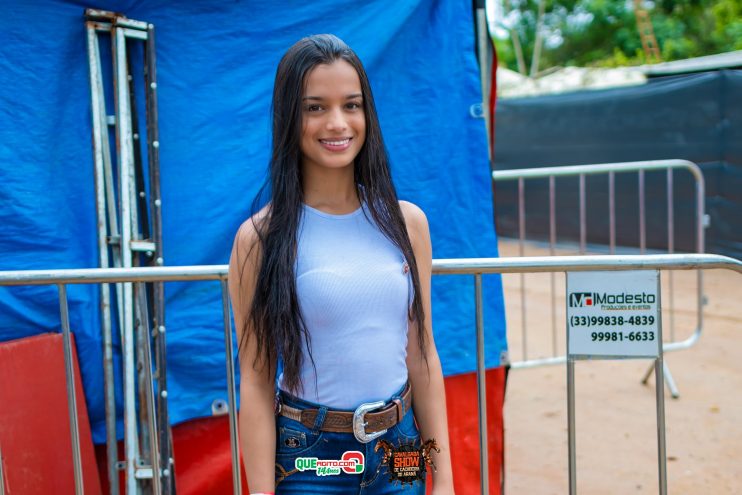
615,414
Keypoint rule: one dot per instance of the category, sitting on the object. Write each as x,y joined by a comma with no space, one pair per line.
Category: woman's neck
330,190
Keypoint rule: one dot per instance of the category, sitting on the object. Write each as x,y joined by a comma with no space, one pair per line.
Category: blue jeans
295,441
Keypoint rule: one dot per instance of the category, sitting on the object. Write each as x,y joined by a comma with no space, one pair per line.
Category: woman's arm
257,422
428,392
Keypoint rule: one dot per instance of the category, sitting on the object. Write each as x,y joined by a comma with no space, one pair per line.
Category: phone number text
611,321
621,337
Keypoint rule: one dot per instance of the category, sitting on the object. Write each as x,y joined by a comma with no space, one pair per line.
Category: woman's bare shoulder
414,216
246,241
417,227
247,234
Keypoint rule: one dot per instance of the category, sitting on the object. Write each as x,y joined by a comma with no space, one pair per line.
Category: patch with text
406,462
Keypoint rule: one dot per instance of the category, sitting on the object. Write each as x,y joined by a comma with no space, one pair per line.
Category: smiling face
333,120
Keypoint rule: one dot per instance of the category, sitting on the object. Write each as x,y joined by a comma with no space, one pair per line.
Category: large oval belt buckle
359,422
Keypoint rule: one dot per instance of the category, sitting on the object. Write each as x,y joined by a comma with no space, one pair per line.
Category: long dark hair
275,315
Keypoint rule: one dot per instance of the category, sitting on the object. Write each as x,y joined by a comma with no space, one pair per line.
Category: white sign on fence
613,314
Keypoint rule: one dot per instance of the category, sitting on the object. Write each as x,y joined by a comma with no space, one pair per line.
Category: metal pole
521,252
110,391
660,391
583,216
131,446
2,474
642,215
701,225
597,168
124,138
669,380
457,266
552,275
671,248
612,211
572,448
153,163
100,136
109,191
69,374
571,427
149,392
481,388
231,395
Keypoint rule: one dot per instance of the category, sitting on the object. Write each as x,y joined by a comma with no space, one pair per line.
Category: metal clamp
359,422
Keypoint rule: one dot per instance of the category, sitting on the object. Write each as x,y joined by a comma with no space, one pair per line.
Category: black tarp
697,117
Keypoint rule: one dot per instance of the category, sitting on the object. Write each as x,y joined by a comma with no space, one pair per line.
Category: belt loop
320,419
398,400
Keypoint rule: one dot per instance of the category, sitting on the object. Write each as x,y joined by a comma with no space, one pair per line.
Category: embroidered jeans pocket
292,439
295,439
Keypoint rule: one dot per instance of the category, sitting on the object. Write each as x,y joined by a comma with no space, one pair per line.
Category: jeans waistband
369,421
293,401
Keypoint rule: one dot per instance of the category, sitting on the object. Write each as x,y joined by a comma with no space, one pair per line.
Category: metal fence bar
521,252
231,395
158,291
481,388
552,245
612,211
583,216
460,266
124,137
671,247
701,224
147,388
464,266
2,473
545,264
642,215
102,162
596,169
571,427
660,369
69,374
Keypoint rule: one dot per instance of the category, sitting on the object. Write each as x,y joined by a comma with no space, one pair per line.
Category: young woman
330,287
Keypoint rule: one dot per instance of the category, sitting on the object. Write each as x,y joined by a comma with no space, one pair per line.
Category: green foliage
603,33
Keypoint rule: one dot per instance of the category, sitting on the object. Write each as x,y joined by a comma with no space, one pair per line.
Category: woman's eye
313,108
353,105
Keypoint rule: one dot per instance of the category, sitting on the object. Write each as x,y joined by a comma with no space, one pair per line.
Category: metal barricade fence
474,266
700,222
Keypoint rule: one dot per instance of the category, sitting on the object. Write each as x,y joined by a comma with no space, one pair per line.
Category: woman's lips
335,144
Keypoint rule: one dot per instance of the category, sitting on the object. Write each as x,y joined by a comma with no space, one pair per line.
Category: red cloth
34,419
463,429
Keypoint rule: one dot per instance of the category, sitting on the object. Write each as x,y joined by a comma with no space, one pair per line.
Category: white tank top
354,291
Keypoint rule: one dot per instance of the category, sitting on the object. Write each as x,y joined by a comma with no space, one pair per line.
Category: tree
603,33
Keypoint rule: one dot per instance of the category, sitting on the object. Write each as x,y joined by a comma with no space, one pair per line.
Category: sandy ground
615,413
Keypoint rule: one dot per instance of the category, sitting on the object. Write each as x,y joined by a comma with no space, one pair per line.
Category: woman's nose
336,120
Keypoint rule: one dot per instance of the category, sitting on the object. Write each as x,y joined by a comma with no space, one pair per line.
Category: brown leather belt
342,421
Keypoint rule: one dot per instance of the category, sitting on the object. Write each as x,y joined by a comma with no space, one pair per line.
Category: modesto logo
584,299
580,299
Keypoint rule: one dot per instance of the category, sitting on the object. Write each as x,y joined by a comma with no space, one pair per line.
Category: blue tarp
215,63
